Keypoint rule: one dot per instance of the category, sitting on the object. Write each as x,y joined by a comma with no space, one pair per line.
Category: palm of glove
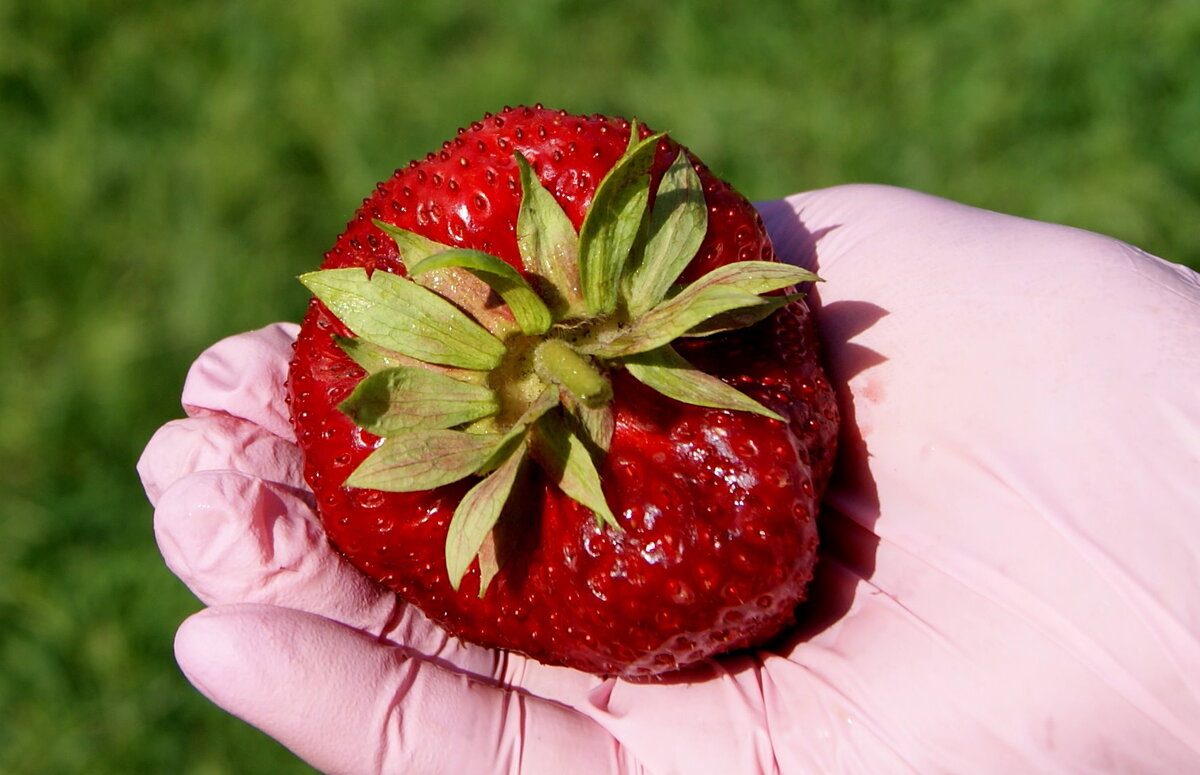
1007,564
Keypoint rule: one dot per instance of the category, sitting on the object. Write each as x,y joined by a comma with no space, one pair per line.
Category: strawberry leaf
635,130
372,358
678,222
673,318
612,224
397,314
567,461
413,247
423,460
755,276
595,425
456,285
408,398
489,558
730,287
743,317
531,313
476,515
545,401
669,373
549,245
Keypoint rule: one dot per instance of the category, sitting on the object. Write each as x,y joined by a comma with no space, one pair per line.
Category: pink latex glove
1011,549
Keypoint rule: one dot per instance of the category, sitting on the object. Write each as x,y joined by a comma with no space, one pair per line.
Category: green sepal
730,287
396,314
612,224
755,276
567,461
372,358
410,398
634,130
489,557
595,425
450,284
742,318
531,314
669,373
678,223
423,460
671,319
413,247
548,244
476,515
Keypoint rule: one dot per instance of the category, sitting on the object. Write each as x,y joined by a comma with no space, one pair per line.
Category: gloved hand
1011,546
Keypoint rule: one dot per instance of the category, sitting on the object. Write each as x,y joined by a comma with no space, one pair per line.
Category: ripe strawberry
543,464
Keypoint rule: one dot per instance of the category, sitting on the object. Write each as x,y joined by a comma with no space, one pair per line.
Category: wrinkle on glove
245,378
214,441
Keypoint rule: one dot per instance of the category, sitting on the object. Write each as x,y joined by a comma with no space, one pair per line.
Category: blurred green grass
167,169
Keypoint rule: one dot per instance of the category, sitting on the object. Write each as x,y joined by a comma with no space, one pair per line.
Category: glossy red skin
718,508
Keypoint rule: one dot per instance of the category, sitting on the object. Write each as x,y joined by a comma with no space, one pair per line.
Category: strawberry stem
558,363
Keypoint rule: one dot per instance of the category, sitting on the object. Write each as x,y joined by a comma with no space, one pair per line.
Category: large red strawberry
551,391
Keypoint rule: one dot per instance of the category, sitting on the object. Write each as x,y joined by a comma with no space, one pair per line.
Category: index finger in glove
234,538
234,398
243,376
213,442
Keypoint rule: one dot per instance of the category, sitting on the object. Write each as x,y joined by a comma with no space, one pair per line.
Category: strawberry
552,390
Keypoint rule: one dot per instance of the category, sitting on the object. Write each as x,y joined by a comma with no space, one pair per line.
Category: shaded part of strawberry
782,371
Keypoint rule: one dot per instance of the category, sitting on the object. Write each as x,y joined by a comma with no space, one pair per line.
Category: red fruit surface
718,508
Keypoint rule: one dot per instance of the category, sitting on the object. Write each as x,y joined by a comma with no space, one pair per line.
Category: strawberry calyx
459,385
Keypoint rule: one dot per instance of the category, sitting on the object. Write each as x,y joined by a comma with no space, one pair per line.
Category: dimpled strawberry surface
611,506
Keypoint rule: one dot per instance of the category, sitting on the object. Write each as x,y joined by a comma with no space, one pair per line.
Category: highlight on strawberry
556,390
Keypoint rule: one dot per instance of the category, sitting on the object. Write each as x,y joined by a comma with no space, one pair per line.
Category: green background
166,169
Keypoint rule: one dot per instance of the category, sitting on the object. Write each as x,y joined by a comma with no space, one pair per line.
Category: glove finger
347,703
245,376
217,442
233,538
